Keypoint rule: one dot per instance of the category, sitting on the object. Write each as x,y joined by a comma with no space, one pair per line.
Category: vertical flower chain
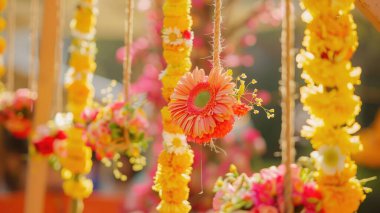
330,41
175,161
77,161
3,5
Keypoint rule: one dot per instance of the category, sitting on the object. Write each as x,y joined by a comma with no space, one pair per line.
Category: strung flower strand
330,41
175,161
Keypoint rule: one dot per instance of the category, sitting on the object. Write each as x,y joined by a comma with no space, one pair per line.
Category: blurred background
251,32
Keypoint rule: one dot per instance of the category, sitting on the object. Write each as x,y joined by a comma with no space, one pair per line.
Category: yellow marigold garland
175,161
330,41
76,157
3,4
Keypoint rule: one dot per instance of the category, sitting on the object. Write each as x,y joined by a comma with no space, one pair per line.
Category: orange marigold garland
330,41
175,161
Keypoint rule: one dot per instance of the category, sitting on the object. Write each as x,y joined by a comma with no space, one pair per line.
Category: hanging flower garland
75,158
16,108
330,41
175,161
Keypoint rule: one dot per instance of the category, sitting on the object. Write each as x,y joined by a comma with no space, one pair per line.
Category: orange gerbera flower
203,105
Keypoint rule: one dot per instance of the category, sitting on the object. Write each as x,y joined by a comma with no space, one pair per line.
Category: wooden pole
38,166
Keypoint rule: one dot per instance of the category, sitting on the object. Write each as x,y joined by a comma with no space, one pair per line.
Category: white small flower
175,143
329,159
172,36
63,120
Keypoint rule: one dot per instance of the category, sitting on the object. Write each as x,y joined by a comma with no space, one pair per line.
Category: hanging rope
287,89
128,43
11,45
217,35
59,53
34,24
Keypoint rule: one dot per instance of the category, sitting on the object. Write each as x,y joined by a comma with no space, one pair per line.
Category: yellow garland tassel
330,41
3,5
175,161
77,162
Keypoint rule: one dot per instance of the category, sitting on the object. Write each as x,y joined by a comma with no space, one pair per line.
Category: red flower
187,35
45,145
61,135
241,109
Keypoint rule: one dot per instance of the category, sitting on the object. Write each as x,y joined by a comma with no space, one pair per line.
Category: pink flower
297,183
89,115
217,201
312,198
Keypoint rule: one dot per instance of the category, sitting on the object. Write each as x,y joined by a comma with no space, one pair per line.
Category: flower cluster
47,138
205,106
263,191
16,112
175,161
330,41
82,59
3,5
118,129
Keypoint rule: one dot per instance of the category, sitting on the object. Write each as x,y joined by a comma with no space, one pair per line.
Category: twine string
217,36
33,37
11,49
287,89
128,43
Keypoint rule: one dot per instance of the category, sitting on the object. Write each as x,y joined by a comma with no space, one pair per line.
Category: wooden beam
38,166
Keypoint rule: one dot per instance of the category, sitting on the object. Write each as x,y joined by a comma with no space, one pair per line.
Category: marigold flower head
342,198
331,37
164,206
339,106
320,134
321,71
78,189
316,7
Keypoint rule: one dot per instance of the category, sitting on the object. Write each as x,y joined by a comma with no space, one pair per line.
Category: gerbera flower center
177,142
202,99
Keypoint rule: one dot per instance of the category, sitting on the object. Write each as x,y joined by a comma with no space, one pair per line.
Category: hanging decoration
16,112
175,161
16,107
75,158
205,107
330,41
201,108
119,128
